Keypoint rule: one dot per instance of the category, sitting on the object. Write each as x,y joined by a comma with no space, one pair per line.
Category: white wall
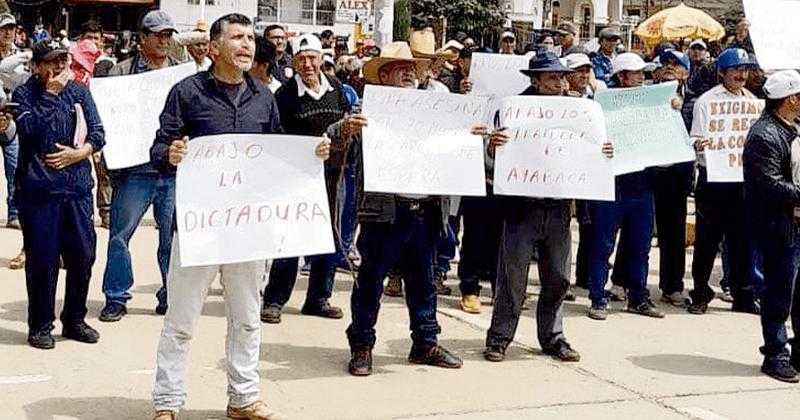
186,15
527,11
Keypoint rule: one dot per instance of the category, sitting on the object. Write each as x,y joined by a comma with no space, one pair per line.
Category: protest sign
774,32
498,74
725,125
644,128
419,142
248,197
555,149
129,107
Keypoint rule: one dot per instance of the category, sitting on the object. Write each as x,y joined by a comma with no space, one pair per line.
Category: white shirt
700,117
324,87
274,85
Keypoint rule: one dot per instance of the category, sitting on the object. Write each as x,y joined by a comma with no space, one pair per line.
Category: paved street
681,367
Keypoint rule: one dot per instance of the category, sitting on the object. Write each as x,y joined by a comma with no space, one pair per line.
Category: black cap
47,50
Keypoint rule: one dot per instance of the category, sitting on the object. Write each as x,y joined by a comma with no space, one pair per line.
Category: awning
126,2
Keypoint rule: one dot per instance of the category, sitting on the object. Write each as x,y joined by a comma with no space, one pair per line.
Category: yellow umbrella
679,22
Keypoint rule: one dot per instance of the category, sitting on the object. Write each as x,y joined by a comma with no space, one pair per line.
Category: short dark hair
91,25
326,34
232,18
265,51
271,28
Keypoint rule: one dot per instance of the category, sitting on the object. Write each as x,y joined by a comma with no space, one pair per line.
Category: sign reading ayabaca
644,128
249,197
774,32
555,149
420,142
725,125
498,75
129,107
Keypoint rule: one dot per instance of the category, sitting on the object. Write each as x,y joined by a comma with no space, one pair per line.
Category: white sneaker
618,294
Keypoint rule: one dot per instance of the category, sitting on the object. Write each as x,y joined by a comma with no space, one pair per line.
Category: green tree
472,16
402,20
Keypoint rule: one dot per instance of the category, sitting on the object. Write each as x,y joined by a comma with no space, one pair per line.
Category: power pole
384,22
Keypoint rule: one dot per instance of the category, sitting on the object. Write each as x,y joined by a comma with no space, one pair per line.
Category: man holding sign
535,224
238,104
721,119
136,188
396,230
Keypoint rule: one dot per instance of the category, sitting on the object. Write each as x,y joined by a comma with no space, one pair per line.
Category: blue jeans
632,217
283,275
446,249
10,155
347,226
781,298
133,194
408,243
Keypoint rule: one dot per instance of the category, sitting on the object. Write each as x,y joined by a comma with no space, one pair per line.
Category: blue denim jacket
197,107
603,69
44,120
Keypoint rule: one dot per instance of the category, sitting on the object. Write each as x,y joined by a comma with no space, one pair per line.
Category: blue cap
546,62
676,55
734,57
158,21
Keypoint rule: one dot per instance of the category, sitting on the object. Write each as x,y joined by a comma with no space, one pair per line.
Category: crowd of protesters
312,85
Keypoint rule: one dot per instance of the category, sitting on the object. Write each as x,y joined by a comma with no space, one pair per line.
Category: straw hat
394,53
423,45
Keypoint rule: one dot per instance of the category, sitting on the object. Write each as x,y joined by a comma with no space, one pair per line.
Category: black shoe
748,307
41,339
494,354
562,351
81,332
326,310
434,356
113,312
781,370
271,314
646,308
360,363
161,308
441,289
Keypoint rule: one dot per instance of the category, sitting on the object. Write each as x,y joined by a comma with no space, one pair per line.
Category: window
268,10
586,22
556,13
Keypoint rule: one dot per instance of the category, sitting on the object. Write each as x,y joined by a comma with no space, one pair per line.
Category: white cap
698,43
307,42
577,60
507,34
782,84
628,62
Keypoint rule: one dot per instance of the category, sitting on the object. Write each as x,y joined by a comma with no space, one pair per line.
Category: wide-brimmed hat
543,63
395,52
423,45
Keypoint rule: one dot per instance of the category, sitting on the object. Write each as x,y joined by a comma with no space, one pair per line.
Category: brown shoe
434,356
105,220
326,310
255,411
18,263
360,363
165,415
394,287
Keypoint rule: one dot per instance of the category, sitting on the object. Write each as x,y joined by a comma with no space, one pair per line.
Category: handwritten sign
498,74
246,197
129,107
725,125
555,149
419,142
353,11
644,128
774,32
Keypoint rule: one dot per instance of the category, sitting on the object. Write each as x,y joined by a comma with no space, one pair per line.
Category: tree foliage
472,16
402,20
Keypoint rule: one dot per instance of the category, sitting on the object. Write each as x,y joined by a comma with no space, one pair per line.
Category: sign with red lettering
249,197
726,124
555,149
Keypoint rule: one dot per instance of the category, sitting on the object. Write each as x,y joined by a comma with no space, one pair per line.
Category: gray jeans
528,226
188,288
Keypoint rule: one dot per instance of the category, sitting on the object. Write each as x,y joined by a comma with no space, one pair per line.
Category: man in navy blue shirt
224,99
54,180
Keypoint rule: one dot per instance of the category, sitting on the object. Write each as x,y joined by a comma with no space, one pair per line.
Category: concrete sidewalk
684,366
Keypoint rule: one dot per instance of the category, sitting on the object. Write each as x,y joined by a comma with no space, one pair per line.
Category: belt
413,204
